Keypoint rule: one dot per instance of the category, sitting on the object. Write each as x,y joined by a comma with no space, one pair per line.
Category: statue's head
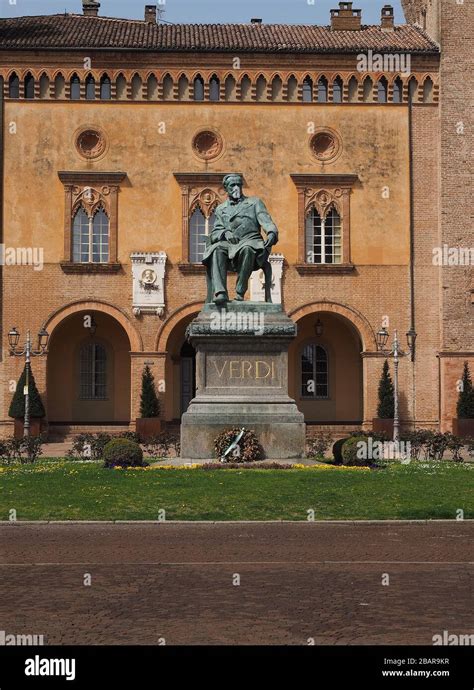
233,184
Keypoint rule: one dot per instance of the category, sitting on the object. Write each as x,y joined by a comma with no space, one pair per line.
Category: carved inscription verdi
228,371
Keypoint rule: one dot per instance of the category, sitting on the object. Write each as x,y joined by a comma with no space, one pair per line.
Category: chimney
150,14
255,20
345,18
90,8
387,18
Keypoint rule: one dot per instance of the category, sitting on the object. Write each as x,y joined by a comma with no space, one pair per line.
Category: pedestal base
242,381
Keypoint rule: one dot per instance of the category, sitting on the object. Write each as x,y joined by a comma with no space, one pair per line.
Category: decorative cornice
336,180
88,178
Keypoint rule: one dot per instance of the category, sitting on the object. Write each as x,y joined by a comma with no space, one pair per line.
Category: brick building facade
115,137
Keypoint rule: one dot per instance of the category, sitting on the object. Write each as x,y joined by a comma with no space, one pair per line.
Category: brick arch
57,317
171,323
359,321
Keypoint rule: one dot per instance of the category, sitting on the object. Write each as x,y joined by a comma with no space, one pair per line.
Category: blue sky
204,11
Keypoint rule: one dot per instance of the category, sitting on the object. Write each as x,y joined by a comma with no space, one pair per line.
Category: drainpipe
2,190
412,250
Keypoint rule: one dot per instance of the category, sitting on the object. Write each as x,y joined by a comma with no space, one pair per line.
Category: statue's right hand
230,237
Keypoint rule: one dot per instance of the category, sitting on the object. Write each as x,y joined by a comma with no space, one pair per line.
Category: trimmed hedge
337,450
349,451
123,453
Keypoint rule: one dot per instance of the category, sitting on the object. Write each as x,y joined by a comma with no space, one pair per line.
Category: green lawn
64,490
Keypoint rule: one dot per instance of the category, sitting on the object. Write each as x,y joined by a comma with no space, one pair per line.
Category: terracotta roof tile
71,31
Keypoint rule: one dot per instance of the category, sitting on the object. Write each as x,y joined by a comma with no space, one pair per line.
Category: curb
333,523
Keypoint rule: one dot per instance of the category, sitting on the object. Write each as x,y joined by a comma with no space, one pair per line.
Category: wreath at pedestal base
248,448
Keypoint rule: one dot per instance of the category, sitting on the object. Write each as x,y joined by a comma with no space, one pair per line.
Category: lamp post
28,352
382,339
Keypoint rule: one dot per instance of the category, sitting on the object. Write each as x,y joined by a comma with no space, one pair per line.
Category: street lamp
28,353
382,338
319,328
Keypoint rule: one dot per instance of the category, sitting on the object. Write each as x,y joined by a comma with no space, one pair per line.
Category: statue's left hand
271,241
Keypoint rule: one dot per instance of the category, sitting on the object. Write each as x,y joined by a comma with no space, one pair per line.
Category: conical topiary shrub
465,405
148,425
386,406
149,403
17,405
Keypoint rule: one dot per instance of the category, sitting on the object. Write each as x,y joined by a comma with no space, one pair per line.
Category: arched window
293,88
59,86
337,90
368,90
307,90
93,372
428,90
397,90
353,89
152,88
199,229
323,237
382,90
105,88
44,86
75,88
14,86
90,237
137,86
277,89
29,86
199,89
413,90
322,90
90,88
245,88
168,88
261,88
183,88
230,88
214,89
314,372
100,237
121,87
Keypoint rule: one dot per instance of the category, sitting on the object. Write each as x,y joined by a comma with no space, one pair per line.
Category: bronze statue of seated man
236,243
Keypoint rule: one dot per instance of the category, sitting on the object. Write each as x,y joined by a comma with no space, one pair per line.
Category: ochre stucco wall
267,143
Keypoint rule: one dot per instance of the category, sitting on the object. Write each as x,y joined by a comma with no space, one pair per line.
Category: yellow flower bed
197,466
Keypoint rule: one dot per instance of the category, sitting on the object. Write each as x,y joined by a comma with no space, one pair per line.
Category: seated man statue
236,243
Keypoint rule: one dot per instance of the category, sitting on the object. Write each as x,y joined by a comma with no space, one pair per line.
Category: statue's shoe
239,298
221,298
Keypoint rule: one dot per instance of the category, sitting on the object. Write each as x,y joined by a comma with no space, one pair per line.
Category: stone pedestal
242,380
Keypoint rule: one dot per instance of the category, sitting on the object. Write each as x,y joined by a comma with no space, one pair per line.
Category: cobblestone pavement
297,581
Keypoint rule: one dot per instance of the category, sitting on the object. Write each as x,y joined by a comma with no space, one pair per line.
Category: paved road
297,581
